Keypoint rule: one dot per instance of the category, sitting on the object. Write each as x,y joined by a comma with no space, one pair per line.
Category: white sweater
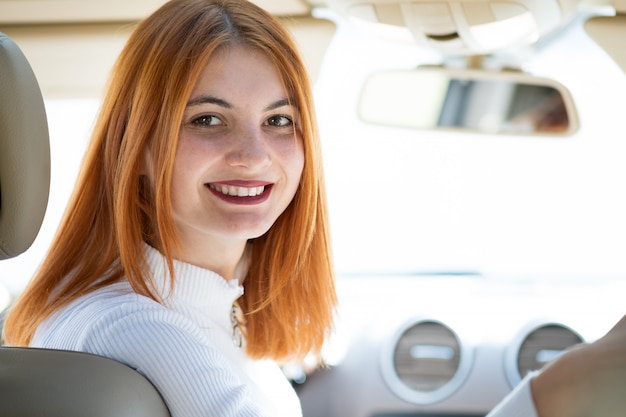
519,402
184,347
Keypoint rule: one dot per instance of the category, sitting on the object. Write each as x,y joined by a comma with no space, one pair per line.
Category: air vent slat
426,362
544,344
426,356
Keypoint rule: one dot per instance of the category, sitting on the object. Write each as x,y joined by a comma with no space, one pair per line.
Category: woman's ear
146,167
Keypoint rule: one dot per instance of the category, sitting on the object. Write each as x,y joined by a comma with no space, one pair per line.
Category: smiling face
239,158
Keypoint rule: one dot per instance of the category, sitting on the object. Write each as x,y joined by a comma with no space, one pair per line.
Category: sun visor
28,12
609,33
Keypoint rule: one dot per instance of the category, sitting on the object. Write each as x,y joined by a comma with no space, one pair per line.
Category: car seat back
24,152
56,383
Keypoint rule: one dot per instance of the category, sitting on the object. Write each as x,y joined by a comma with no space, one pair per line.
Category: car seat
58,383
46,382
24,152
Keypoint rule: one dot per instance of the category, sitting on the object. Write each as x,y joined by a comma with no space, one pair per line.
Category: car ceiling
82,11
72,44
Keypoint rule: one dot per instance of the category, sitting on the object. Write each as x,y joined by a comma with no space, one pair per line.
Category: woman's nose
249,149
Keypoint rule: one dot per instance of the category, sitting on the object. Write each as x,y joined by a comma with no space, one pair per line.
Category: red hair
289,295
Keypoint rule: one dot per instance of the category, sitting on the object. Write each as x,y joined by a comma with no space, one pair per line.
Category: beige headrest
24,152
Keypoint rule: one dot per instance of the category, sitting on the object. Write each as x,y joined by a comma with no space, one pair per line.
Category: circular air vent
425,363
538,347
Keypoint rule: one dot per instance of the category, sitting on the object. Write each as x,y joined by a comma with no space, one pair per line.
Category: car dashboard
450,345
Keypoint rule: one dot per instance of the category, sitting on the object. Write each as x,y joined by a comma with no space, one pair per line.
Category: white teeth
238,191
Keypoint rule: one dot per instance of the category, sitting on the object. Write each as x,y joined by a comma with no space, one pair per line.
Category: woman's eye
206,120
279,121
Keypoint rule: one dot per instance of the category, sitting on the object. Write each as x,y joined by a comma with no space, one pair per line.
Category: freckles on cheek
188,155
182,172
292,151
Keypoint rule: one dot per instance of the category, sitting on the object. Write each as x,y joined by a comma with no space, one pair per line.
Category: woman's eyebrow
209,100
223,103
280,103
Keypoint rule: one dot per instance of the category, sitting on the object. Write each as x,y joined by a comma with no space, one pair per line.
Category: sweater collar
199,293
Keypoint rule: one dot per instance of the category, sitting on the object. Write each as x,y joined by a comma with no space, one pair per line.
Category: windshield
414,201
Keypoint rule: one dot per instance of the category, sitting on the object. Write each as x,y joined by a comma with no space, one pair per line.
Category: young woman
195,247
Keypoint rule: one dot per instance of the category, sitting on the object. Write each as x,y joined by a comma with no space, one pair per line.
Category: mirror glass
468,100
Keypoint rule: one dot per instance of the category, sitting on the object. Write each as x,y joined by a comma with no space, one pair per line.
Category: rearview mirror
496,102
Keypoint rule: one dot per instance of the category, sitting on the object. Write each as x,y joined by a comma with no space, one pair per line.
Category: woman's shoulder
113,309
118,299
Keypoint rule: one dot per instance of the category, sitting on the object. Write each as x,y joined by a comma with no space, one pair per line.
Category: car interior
436,340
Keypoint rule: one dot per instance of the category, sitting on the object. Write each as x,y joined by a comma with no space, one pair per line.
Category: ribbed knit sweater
519,402
184,346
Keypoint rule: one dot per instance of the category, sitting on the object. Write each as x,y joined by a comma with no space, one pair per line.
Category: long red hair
289,295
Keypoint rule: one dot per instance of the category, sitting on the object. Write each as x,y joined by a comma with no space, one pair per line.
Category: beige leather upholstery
24,152
57,383
609,32
42,382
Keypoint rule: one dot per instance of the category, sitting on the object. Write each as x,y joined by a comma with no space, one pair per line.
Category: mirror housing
480,101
